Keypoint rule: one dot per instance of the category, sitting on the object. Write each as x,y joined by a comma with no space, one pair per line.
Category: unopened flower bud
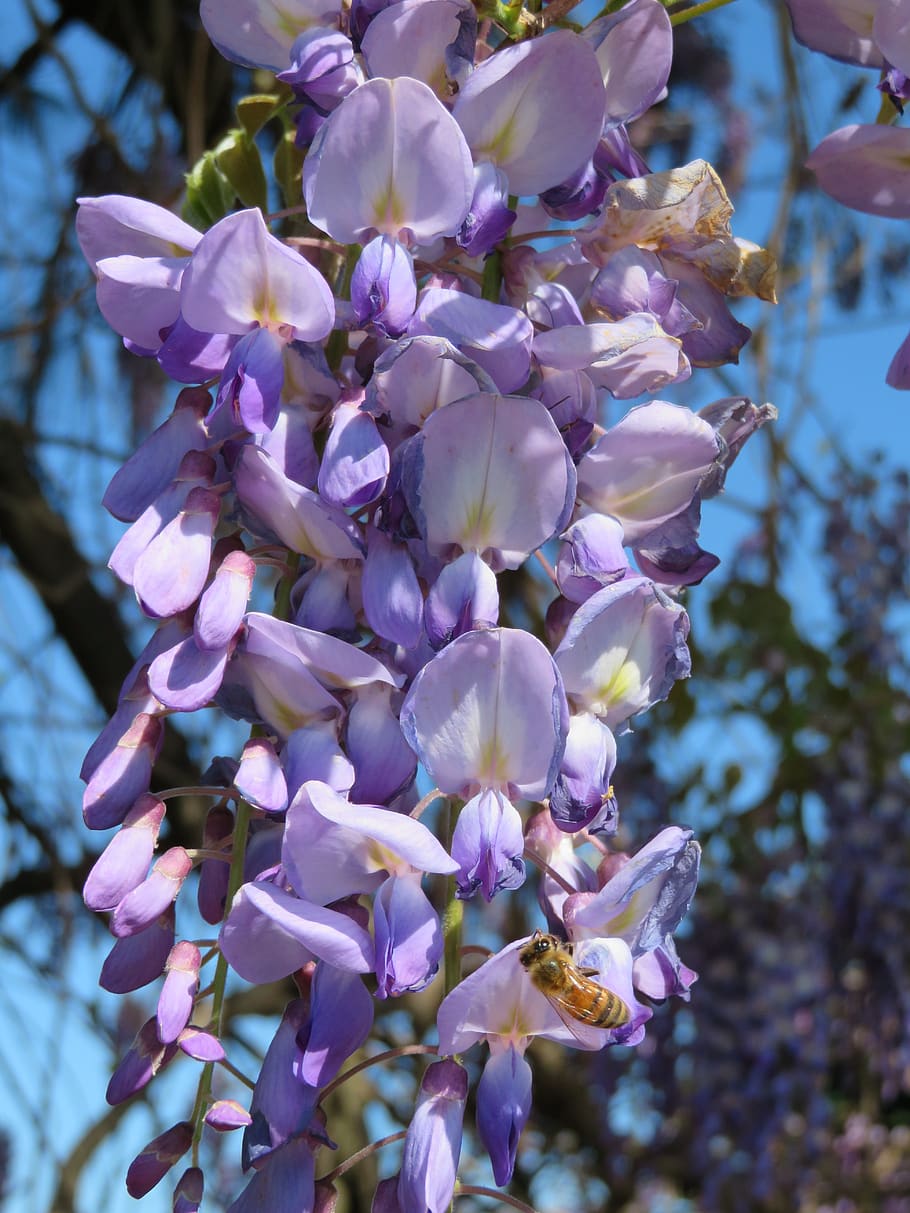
124,862
175,1004
432,1146
188,1193
145,1058
150,899
150,1166
227,1114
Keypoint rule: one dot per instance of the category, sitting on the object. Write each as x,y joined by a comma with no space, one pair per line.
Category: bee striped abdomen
609,1011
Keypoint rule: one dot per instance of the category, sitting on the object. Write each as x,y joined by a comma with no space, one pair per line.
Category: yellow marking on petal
477,525
499,148
284,717
514,1027
289,22
381,859
626,679
388,210
625,920
263,310
493,764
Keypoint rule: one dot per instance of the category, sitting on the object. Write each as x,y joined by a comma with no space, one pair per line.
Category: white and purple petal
634,48
489,711
178,994
497,337
646,468
124,862
355,462
478,456
171,572
260,778
298,517
843,29
241,275
623,650
341,1015
488,845
185,678
421,38
432,1147
144,904
464,596
534,109
384,762
151,468
392,161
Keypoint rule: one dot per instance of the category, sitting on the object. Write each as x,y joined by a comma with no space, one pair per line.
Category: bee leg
588,972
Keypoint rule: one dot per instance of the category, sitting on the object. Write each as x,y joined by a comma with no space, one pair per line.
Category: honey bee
569,988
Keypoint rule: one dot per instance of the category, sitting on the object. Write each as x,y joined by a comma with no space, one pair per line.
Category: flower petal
534,109
269,933
489,711
389,160
865,167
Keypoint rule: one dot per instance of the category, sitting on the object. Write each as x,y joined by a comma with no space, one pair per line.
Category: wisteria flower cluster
380,417
866,166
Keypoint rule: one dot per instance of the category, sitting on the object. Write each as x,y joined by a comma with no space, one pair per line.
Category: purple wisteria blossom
387,531
390,161
243,282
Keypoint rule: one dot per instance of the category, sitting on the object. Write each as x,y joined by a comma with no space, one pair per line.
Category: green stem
219,982
689,14
492,277
453,914
284,587
337,344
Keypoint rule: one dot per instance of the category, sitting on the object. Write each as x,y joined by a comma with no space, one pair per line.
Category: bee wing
587,1037
576,991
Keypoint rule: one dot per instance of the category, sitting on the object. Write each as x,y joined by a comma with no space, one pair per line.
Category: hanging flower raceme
407,405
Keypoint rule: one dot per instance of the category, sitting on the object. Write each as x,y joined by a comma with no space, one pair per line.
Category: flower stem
492,277
238,1074
364,1153
403,1051
424,804
235,879
197,854
551,872
453,915
474,1190
221,793
545,565
557,10
688,14
337,344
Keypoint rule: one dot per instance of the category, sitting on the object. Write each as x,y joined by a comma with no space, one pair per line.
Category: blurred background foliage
784,1087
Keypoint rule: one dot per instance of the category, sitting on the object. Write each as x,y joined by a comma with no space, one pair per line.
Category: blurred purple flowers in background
407,403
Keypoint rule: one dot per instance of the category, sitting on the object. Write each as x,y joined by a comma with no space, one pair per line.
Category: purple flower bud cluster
378,421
